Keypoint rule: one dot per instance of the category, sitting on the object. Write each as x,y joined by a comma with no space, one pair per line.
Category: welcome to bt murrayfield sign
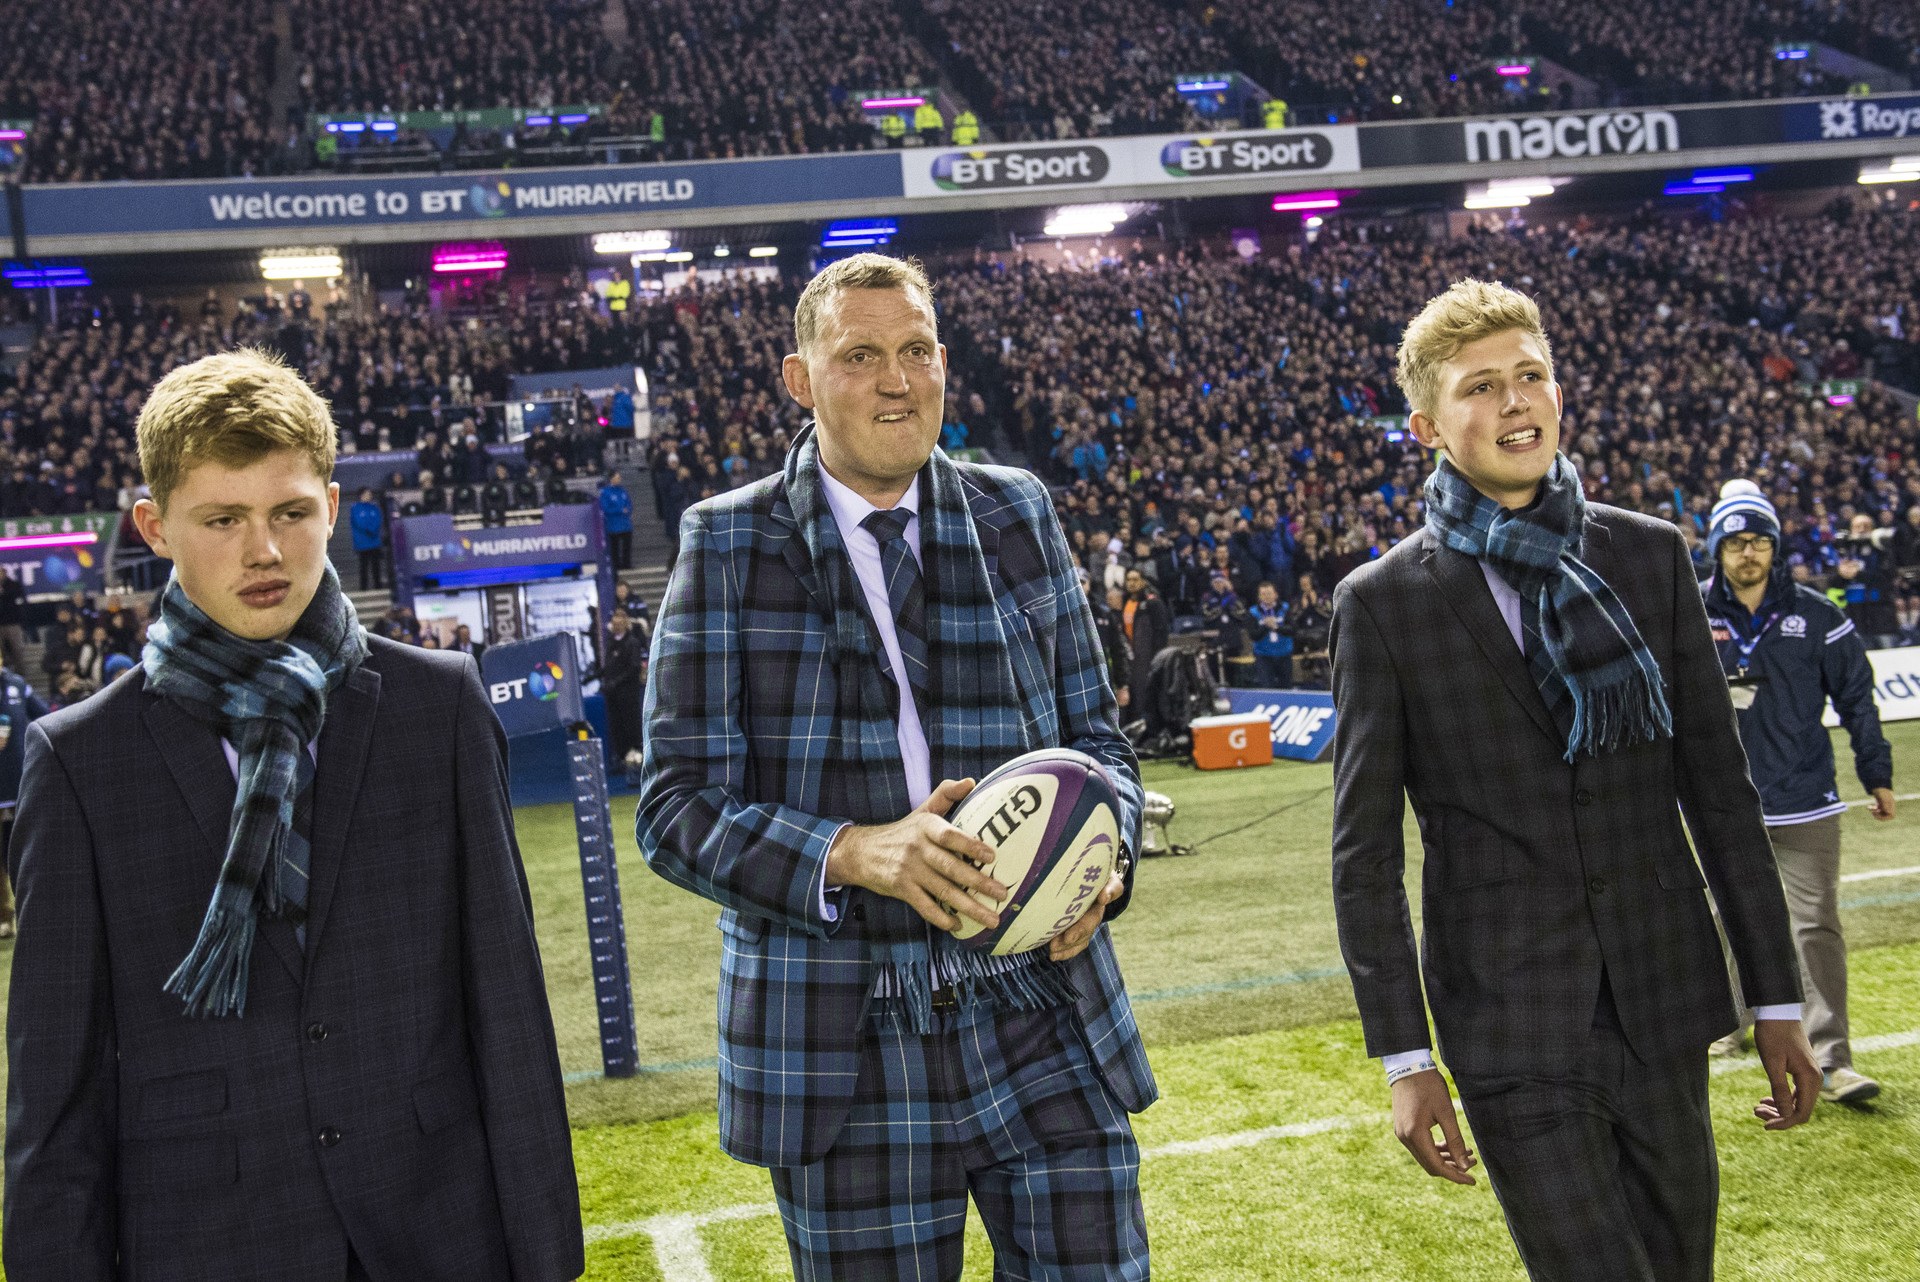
117,217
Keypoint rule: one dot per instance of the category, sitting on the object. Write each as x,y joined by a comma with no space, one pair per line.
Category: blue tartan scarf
975,721
269,699
1591,652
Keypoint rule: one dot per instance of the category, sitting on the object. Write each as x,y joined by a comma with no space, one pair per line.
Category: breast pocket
182,1097
1031,650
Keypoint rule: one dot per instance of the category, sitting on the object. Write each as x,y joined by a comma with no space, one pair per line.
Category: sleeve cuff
1787,1010
1400,1064
827,899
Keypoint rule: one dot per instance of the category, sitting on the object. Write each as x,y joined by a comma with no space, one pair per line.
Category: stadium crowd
357,56
182,89
1077,68
1200,411
769,77
129,90
1214,419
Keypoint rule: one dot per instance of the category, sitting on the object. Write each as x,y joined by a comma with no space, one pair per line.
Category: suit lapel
1463,585
336,787
199,768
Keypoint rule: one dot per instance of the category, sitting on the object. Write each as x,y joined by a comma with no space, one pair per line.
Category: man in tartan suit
1536,673
835,640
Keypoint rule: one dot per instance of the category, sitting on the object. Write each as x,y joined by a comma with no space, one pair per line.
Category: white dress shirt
1508,602
863,549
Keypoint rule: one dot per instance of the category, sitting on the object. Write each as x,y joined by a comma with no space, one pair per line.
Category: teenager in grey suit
1570,957
383,1098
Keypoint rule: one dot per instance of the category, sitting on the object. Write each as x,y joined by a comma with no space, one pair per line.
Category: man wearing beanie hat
1786,650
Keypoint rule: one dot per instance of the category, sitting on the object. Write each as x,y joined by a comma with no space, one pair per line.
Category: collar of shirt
849,509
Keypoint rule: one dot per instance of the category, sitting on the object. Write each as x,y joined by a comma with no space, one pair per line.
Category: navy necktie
297,854
1553,690
906,595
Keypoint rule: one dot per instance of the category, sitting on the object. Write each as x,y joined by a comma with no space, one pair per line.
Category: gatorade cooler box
1237,739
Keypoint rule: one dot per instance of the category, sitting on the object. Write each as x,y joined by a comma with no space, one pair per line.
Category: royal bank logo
1864,118
1603,133
1252,154
984,170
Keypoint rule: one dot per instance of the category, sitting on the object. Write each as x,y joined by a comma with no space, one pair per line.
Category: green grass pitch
1268,1156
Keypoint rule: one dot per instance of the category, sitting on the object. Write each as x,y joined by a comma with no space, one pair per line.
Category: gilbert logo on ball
1053,820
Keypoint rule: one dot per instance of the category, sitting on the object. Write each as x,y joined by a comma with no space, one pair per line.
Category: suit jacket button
1583,798
1598,885
316,1032
329,1136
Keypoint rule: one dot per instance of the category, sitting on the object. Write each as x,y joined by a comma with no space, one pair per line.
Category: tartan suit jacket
394,1084
1539,874
741,716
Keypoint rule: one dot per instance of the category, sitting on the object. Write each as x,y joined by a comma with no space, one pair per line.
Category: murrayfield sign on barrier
84,218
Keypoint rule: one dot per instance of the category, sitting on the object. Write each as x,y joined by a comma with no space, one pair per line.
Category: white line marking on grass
676,1238
1246,1139
1877,873
1888,1041
1883,1042
682,1258
1868,801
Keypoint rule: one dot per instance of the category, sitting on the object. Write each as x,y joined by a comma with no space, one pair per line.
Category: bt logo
543,683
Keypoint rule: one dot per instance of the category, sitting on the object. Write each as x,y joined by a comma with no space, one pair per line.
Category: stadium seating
1181,389
183,89
129,90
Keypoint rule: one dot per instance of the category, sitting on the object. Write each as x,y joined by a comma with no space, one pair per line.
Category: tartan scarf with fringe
976,720
1590,652
269,699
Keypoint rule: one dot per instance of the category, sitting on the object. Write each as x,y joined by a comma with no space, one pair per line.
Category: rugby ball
1053,819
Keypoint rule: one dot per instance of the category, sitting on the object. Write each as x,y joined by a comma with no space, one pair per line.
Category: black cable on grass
1271,814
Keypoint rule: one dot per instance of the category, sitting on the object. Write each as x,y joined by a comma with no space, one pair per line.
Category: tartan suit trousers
1607,1173
1005,1105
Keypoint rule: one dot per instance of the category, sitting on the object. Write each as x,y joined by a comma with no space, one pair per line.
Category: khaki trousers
1809,858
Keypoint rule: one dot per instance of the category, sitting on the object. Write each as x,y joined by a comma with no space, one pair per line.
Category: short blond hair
233,409
1468,312
861,271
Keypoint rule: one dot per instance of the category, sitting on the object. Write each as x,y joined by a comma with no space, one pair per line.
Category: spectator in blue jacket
1786,650
620,413
1272,643
616,509
369,526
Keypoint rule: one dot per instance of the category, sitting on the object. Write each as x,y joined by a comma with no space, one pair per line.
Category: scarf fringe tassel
1037,985
1617,714
213,978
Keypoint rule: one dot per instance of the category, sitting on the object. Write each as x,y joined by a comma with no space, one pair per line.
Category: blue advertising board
534,685
506,197
1894,117
429,547
1302,719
